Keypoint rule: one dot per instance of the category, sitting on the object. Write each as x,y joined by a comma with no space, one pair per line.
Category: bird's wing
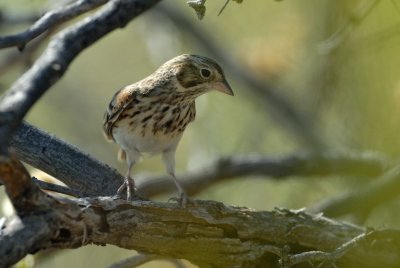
121,100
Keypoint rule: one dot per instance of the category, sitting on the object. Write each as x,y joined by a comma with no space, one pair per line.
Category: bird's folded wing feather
122,99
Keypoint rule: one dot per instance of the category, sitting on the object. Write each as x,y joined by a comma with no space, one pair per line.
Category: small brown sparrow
149,116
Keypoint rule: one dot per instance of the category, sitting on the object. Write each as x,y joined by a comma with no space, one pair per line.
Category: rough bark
76,169
207,233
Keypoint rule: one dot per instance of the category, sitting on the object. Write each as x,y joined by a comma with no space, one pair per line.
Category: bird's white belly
149,143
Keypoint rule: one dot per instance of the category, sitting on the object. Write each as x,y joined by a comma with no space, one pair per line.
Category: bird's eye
205,73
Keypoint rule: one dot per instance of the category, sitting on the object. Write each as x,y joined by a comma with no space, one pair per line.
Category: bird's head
196,75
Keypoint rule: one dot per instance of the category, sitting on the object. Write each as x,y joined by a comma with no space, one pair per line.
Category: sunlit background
346,84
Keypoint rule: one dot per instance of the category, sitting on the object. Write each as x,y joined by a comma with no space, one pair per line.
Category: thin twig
49,20
57,188
223,7
320,256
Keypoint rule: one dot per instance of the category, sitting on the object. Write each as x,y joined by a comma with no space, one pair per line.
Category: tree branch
89,176
56,188
49,20
300,164
78,170
364,199
54,61
30,232
206,233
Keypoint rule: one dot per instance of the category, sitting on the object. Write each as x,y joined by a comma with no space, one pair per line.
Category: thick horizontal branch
49,20
206,233
54,61
209,233
82,172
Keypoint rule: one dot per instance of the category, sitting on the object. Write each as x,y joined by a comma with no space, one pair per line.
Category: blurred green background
350,93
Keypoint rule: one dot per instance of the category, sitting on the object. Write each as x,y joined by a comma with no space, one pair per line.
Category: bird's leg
169,161
129,184
183,198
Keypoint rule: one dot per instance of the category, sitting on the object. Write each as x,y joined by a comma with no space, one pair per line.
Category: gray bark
76,169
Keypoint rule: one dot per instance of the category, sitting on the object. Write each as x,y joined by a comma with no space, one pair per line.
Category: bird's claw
129,185
183,200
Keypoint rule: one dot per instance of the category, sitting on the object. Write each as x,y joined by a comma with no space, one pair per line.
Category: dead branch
56,188
206,233
78,170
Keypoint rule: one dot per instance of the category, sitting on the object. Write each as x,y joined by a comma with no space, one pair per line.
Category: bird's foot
129,185
183,200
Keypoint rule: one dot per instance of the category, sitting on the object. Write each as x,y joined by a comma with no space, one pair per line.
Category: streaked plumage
150,116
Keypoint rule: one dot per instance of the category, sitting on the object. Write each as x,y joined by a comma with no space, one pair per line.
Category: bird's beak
223,87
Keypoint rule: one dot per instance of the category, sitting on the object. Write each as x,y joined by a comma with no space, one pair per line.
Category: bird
149,117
